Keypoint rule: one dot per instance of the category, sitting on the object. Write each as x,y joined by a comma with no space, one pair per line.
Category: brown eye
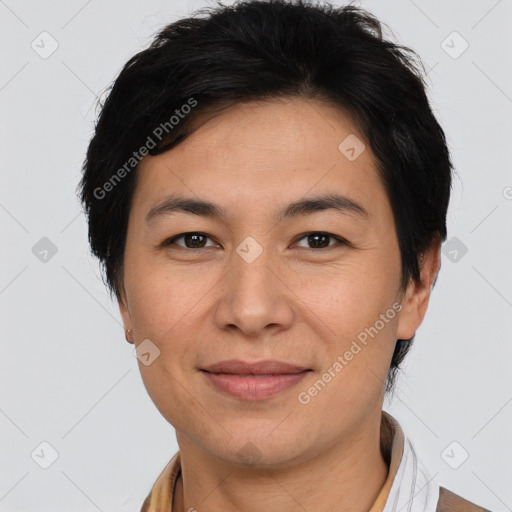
320,240
192,240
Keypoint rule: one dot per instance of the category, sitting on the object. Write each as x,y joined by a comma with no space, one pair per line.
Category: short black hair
263,50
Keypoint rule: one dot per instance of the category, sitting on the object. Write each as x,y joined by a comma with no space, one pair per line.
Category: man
267,190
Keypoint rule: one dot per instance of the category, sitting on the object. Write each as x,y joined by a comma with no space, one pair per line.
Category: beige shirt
393,447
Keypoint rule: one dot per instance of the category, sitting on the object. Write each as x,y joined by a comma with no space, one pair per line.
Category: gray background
68,377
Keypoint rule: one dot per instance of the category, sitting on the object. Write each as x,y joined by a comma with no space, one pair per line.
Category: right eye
192,240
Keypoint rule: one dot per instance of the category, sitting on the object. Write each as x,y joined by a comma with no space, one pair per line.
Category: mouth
239,367
253,381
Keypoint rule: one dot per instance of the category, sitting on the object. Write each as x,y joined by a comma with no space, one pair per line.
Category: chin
259,451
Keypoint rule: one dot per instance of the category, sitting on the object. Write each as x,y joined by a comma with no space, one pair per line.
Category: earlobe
127,321
128,335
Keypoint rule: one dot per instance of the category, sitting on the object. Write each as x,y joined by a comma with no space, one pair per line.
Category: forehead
260,153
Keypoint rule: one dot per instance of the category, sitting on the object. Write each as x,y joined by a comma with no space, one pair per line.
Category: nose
255,298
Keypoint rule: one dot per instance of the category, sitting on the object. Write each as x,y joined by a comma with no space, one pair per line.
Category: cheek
356,311
163,296
351,296
161,312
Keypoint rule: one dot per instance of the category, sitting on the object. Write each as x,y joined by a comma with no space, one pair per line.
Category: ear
415,301
125,316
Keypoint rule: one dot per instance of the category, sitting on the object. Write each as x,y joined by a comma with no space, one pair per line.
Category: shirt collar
408,486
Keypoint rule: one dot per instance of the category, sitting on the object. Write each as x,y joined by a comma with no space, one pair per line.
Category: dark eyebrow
301,207
309,205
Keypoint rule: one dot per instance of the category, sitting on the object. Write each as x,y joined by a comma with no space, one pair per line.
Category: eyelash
340,240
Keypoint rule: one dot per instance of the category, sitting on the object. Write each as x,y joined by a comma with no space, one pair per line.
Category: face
317,288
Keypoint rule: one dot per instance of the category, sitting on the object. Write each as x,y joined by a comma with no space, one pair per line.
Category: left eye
319,240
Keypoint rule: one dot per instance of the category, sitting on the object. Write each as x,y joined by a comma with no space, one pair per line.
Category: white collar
413,489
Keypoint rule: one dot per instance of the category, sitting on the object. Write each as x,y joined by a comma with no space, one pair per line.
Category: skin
296,303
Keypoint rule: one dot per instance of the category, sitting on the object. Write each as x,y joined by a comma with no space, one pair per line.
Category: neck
347,476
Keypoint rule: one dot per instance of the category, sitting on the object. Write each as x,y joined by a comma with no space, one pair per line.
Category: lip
253,387
253,381
267,367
